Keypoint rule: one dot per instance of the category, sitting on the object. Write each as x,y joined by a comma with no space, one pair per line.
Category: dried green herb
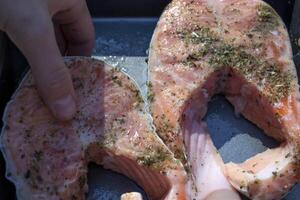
199,35
275,83
275,174
117,80
267,18
150,93
38,155
154,157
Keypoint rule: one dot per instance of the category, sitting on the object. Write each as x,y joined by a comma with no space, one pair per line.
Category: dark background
99,9
153,8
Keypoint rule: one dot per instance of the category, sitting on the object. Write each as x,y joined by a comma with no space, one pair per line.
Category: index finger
77,27
35,38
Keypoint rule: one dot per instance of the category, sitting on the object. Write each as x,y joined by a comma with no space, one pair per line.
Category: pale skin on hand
44,30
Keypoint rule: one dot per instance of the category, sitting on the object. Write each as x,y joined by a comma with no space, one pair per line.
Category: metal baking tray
123,33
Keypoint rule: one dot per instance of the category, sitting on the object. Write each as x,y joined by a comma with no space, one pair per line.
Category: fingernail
64,108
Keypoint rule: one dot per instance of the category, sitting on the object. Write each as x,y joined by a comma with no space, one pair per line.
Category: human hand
32,25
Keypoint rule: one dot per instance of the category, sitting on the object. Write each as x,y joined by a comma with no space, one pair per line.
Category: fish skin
48,159
239,48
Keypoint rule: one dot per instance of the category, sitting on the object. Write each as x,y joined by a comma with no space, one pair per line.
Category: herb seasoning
154,157
267,18
275,83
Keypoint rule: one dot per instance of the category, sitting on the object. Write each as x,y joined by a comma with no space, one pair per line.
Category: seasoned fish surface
47,159
239,48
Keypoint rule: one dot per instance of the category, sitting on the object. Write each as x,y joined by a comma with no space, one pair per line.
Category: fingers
31,29
35,38
77,29
223,194
60,39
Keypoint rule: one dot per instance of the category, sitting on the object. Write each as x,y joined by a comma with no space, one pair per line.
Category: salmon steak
48,159
241,49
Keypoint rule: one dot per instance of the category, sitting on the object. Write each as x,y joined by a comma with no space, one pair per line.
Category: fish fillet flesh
239,48
48,159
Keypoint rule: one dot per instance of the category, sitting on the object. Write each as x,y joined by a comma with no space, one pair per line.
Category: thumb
35,37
